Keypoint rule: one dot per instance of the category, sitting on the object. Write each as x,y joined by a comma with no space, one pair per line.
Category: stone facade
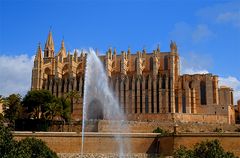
144,83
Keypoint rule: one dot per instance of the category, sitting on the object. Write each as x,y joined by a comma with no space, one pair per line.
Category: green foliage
209,149
6,140
60,107
183,152
219,130
65,113
31,148
26,148
72,95
36,102
13,107
41,104
162,132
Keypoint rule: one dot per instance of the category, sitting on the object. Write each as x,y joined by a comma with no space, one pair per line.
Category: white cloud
232,82
201,32
185,33
195,64
192,71
15,74
220,13
229,17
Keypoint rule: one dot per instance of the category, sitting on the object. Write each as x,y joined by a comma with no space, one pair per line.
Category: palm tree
73,96
53,109
65,113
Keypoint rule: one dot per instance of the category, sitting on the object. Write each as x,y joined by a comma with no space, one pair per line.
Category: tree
26,148
31,148
13,108
209,149
6,140
73,95
36,102
65,104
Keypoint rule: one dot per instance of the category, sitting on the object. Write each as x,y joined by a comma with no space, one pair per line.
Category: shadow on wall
154,147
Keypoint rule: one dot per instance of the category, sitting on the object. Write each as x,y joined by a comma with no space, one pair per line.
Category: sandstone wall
201,118
70,142
140,143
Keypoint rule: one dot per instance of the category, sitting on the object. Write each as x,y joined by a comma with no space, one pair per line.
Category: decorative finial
144,50
75,52
62,44
129,50
39,52
173,46
158,48
110,49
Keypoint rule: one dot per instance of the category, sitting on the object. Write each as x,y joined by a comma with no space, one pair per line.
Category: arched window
190,84
95,110
203,93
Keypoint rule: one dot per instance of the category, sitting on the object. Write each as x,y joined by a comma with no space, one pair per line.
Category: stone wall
150,143
70,142
180,117
148,127
143,126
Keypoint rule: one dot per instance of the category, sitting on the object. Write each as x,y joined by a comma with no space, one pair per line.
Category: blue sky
207,33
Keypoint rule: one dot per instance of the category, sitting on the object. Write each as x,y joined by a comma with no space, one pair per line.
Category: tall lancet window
203,93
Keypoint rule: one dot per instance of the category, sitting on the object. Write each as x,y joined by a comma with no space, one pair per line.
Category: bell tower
49,46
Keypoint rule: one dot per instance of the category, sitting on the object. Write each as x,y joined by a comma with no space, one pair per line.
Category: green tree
36,102
65,113
209,149
73,95
13,108
31,148
26,148
6,140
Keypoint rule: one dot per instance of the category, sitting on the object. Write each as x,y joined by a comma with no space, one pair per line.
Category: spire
39,53
158,48
173,47
114,52
49,46
129,50
75,52
110,49
62,50
49,43
62,44
144,50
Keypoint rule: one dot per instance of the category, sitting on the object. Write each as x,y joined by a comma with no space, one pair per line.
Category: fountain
99,101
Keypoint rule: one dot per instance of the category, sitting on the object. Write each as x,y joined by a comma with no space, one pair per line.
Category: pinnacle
39,52
49,43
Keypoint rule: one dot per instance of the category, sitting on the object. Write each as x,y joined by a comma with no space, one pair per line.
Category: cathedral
148,85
